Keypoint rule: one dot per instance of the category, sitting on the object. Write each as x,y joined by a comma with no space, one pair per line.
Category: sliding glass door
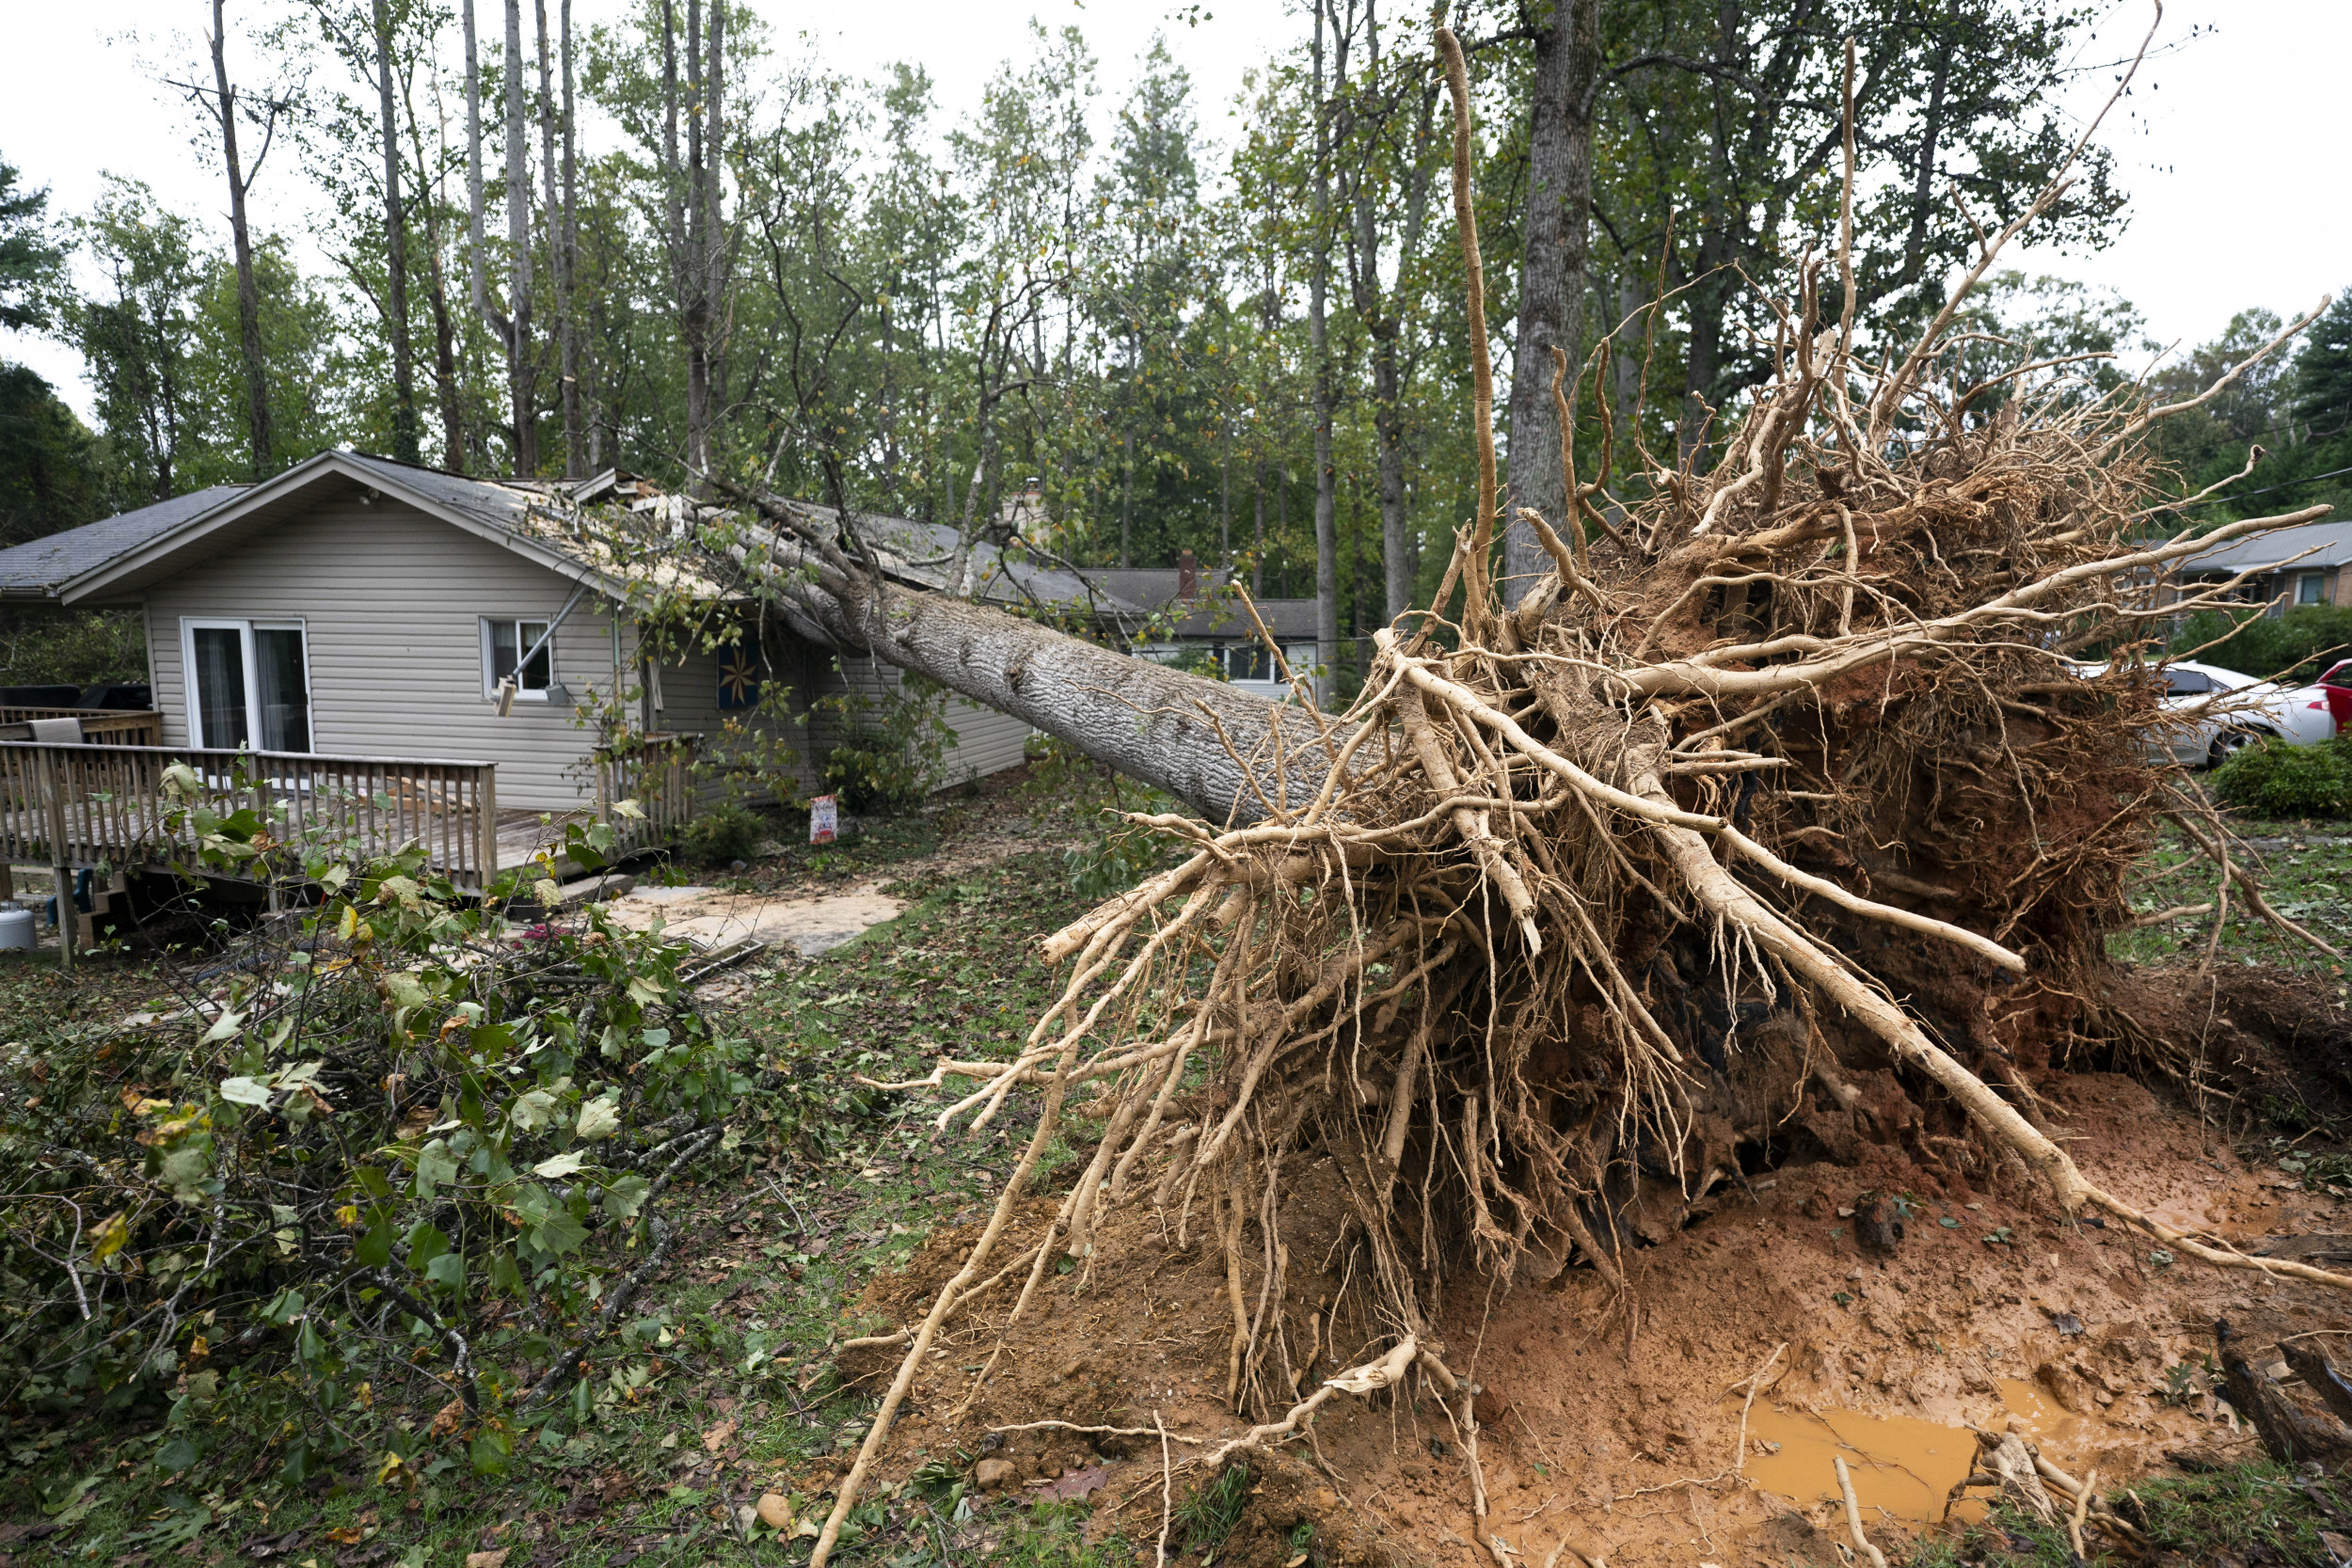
248,685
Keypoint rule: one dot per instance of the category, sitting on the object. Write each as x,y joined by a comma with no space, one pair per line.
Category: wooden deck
119,808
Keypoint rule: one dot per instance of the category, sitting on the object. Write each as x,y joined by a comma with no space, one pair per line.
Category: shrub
2297,645
722,836
401,1155
2273,779
893,748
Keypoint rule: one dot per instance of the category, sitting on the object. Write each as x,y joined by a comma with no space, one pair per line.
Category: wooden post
486,803
52,802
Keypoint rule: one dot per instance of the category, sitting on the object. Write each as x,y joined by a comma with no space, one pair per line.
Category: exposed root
1782,802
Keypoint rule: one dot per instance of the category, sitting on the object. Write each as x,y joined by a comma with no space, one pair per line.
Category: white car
2223,711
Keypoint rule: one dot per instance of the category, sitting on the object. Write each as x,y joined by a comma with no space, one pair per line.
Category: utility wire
2282,484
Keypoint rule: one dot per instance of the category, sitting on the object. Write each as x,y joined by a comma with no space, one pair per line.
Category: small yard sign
824,819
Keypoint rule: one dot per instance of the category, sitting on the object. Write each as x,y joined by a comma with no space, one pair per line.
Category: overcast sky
2231,153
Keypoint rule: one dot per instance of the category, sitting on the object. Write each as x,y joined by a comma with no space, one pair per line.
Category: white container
16,926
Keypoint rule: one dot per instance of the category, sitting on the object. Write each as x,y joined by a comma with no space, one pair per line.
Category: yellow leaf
349,923
107,1238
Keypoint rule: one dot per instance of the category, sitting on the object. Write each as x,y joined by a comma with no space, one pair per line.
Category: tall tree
522,365
511,326
1552,285
1319,347
692,187
221,102
405,426
138,339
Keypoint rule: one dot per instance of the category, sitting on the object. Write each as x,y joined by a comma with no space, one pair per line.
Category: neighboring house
2306,566
1196,618
363,609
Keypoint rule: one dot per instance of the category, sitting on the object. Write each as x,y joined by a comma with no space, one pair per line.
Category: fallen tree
1800,791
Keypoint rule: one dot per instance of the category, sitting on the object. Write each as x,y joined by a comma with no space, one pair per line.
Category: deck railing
654,771
70,807
100,726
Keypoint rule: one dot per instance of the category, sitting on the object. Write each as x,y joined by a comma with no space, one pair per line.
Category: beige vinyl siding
690,705
391,602
986,741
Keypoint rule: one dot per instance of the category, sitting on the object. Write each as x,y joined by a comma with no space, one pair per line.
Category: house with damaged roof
451,651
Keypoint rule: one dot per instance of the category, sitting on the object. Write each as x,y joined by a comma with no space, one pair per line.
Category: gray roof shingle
35,570
2332,542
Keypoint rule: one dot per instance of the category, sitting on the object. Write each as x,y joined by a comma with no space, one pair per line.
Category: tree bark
1153,724
567,277
436,298
1554,246
521,370
1318,342
477,244
248,295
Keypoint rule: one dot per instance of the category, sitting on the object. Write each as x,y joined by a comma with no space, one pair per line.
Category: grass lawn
720,1388
2306,870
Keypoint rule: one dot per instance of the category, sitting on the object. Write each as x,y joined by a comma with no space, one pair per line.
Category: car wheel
2228,744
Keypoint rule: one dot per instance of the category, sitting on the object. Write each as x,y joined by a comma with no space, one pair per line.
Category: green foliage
2259,1513
394,1138
2296,646
723,835
1205,1519
52,473
892,748
2271,778
29,258
40,646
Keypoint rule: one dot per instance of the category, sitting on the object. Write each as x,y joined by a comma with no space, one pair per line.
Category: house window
503,643
2311,588
248,685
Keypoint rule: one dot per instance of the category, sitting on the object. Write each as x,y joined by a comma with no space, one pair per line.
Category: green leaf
558,1233
225,1028
599,1119
244,1092
531,1111
375,1247
436,1165
626,1194
566,1163
425,1244
448,1269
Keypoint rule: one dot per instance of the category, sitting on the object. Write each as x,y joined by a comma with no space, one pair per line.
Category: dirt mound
2253,1044
1890,1305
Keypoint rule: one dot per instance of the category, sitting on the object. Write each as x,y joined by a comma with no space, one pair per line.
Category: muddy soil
1962,1307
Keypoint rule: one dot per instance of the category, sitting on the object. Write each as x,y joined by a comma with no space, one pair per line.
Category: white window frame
251,655
2316,582
490,681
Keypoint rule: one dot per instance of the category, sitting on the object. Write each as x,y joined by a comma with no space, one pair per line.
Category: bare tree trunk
395,250
444,329
521,370
477,244
1318,341
248,297
1552,283
694,302
551,205
567,279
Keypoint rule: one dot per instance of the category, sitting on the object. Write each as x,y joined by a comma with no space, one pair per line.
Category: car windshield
2184,683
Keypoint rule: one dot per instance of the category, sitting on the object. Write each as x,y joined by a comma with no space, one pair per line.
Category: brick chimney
1187,576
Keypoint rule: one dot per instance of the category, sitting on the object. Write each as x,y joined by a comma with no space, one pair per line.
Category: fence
100,726
653,771
71,807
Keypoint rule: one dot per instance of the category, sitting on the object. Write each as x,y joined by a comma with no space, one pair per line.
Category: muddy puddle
1903,1466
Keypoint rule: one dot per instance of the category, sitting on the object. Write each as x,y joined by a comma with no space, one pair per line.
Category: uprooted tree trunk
1781,802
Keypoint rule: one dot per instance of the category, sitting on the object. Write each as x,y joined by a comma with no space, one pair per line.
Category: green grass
2248,1514
846,1183
2306,872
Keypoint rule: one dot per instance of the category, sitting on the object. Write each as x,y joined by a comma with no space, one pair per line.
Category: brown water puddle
1903,1466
